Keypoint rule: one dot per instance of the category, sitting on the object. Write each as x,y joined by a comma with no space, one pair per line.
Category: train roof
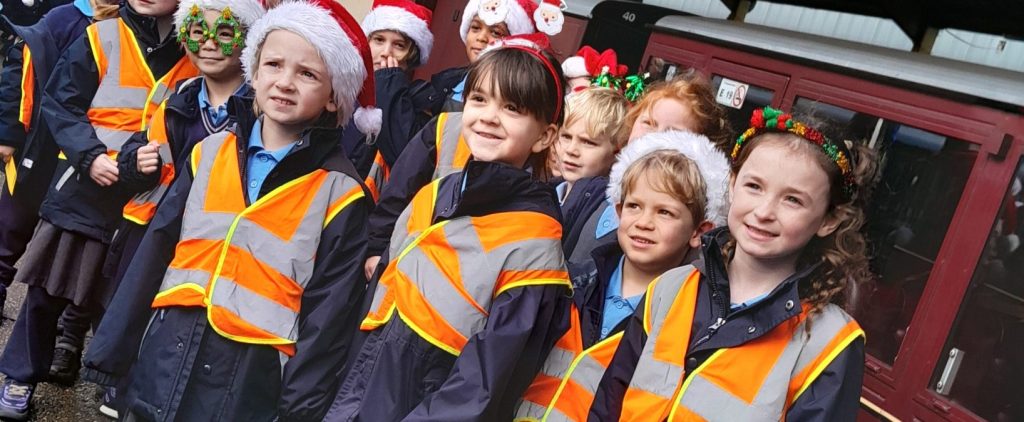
581,8
987,83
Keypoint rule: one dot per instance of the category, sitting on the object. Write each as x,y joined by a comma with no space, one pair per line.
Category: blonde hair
603,110
673,174
841,256
694,91
103,10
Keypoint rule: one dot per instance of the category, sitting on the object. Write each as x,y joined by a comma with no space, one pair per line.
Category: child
594,130
754,330
104,88
212,33
259,240
469,305
27,150
668,189
687,104
483,22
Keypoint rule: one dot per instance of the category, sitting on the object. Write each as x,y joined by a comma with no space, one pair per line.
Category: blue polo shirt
216,114
616,307
608,222
261,162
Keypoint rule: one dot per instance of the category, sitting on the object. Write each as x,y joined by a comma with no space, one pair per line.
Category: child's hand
371,264
148,158
6,153
387,62
103,170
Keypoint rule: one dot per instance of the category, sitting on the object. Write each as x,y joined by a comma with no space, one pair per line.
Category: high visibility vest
444,276
141,208
452,154
249,264
128,95
756,381
565,387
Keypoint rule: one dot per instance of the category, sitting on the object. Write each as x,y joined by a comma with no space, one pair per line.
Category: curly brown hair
841,256
692,89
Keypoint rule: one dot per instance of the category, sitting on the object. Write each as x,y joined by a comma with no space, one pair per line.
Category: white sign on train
732,93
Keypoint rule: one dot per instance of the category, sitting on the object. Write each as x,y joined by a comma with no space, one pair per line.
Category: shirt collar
85,7
608,222
204,95
560,191
459,89
615,286
256,143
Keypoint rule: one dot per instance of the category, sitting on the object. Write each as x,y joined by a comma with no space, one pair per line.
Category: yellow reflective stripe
423,334
534,282
377,323
134,219
647,304
827,361
438,135
223,256
527,419
572,368
679,395
337,210
196,155
183,286
93,37
12,175
26,70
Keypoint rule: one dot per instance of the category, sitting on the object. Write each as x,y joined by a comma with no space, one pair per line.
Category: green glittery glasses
227,32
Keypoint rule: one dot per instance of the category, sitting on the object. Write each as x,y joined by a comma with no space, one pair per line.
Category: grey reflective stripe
154,195
377,175
255,309
400,237
165,153
450,134
587,373
478,271
112,139
64,177
176,276
529,411
652,375
711,401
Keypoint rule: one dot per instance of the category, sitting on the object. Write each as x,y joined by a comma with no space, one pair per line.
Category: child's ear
704,227
830,223
618,210
547,138
331,106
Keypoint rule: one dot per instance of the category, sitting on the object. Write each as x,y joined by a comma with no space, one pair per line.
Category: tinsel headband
771,120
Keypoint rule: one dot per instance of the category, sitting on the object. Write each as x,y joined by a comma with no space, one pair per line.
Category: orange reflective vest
141,208
565,387
758,380
452,154
128,95
445,275
249,264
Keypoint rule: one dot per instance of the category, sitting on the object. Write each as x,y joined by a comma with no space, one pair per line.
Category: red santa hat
245,11
340,41
403,16
588,62
517,15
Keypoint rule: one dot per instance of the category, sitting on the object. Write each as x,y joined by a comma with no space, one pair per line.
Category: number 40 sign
732,93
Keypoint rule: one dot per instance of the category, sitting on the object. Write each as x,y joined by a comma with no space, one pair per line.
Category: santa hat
340,42
711,163
245,11
516,14
403,16
588,62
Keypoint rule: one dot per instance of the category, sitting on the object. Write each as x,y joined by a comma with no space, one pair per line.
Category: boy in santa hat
259,240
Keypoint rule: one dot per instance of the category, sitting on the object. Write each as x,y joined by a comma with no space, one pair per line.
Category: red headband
551,69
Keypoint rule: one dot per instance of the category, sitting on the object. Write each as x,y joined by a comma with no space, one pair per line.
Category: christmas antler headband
771,120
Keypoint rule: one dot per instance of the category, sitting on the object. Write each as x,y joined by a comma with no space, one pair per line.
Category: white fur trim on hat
516,18
711,163
392,18
316,24
245,11
574,67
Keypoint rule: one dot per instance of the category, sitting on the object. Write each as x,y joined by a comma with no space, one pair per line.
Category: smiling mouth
488,136
570,166
759,232
641,240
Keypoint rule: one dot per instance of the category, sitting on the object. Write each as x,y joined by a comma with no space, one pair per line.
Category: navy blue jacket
834,396
326,320
45,40
586,198
397,375
77,206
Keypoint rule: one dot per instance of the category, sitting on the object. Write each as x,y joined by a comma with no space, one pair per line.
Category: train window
982,364
659,69
921,179
745,99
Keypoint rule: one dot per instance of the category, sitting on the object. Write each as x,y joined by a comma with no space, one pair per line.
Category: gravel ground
52,402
